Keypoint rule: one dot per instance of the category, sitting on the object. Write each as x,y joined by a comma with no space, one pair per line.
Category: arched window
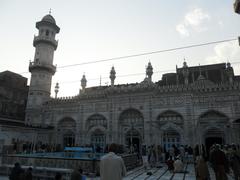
214,117
47,32
131,116
96,120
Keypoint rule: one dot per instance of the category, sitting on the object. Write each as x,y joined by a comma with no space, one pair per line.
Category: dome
49,18
202,82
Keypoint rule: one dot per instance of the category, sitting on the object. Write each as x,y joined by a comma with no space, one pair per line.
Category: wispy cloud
194,21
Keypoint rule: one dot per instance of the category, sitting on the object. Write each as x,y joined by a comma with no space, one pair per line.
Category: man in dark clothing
28,174
17,172
219,163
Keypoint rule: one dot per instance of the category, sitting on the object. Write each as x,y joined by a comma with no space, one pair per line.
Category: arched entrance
171,137
98,140
133,140
96,126
213,136
171,124
68,139
66,132
212,127
131,126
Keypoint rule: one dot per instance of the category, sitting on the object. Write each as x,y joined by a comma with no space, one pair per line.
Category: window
47,32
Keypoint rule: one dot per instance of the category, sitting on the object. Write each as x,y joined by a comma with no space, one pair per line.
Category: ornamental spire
112,76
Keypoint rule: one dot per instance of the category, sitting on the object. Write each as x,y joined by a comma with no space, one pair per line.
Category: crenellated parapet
105,91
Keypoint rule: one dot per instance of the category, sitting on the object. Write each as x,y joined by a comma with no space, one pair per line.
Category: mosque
194,105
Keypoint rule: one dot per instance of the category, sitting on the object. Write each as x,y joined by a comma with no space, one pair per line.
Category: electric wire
119,76
145,53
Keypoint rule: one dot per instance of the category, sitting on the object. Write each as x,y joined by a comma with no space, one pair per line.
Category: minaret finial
50,11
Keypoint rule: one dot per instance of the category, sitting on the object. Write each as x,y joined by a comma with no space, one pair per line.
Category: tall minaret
41,68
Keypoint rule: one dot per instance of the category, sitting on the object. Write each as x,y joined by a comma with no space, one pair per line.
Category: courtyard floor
162,173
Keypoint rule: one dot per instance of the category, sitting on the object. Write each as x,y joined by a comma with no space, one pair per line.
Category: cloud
182,30
225,52
194,21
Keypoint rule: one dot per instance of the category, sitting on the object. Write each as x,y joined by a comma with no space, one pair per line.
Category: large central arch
170,124
96,126
66,129
212,126
131,125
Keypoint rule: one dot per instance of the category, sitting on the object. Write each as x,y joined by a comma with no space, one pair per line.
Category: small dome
203,82
49,18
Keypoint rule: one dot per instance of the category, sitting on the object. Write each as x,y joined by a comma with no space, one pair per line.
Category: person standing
28,174
77,174
219,163
202,172
112,166
58,176
178,165
235,162
17,172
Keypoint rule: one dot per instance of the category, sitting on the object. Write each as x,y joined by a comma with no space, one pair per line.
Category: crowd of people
18,173
223,159
21,146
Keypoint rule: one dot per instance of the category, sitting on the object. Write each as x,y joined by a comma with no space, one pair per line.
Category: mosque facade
194,105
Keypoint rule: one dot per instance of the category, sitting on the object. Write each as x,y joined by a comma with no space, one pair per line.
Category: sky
93,30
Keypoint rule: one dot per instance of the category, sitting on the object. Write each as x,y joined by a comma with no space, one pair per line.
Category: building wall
13,95
220,102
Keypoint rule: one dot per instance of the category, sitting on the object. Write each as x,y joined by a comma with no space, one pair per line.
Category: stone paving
162,173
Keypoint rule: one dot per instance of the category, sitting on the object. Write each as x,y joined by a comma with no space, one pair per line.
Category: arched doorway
171,124
98,140
213,136
66,132
131,126
171,137
68,139
96,125
212,126
133,140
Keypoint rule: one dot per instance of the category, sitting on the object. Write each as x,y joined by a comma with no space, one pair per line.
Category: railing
45,39
35,65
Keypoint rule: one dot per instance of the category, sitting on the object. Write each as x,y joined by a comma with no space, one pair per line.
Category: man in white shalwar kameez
112,166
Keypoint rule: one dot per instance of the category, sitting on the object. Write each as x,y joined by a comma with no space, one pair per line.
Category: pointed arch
67,123
66,131
96,120
131,115
170,116
173,126
97,136
213,117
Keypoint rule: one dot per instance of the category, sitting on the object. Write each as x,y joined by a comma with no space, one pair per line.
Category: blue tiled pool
71,155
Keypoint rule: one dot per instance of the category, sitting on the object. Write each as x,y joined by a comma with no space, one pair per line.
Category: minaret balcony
45,39
41,66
